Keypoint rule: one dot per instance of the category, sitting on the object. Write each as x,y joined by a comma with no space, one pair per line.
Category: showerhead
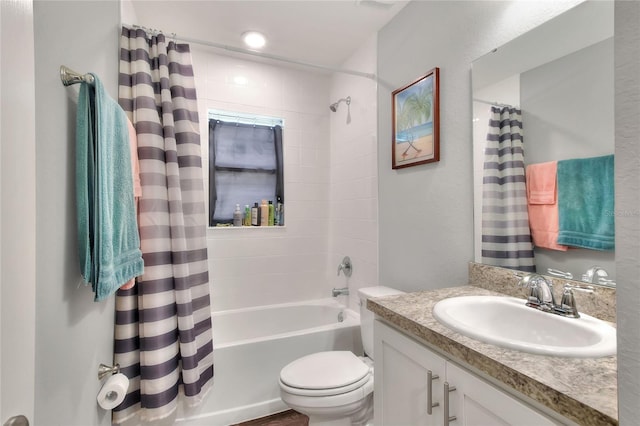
334,106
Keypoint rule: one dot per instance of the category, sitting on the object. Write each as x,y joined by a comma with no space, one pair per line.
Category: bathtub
252,345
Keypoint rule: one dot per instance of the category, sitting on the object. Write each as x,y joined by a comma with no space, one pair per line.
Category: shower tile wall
258,266
330,180
354,174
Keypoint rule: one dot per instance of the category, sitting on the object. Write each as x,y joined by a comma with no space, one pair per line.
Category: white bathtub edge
235,415
329,301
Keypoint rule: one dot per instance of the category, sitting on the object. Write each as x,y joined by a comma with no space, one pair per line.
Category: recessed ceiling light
253,39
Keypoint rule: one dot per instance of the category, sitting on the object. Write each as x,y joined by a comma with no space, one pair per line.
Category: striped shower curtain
163,337
506,238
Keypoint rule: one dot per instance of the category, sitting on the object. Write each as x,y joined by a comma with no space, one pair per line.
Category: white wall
73,334
18,202
257,266
354,175
627,116
426,211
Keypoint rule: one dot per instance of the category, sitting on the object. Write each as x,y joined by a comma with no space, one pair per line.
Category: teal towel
108,240
586,203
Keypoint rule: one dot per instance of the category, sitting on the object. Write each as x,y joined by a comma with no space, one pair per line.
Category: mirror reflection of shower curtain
506,238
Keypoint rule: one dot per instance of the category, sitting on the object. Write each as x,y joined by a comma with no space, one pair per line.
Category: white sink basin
509,323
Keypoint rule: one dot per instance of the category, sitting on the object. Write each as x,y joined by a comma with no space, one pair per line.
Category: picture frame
416,122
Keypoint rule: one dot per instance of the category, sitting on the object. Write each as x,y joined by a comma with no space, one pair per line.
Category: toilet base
359,413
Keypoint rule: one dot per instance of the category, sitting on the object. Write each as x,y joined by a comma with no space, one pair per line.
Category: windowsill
245,227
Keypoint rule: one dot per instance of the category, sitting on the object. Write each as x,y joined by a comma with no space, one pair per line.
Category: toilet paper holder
104,370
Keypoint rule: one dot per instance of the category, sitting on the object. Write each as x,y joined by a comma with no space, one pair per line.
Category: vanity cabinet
409,377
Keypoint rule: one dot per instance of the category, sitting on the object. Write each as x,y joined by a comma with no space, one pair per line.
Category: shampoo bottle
237,216
254,215
247,216
264,213
272,212
280,212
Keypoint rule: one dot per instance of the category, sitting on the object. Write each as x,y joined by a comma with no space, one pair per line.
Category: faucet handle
580,288
346,266
568,302
568,299
534,293
559,273
524,280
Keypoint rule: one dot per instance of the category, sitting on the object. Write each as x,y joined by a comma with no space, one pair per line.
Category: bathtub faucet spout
340,292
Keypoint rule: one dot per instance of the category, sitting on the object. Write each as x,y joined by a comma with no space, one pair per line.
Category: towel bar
69,77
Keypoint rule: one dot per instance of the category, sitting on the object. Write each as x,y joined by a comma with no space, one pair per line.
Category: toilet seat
331,402
325,392
325,374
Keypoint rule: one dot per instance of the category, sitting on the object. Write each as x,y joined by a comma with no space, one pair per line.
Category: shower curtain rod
492,103
259,54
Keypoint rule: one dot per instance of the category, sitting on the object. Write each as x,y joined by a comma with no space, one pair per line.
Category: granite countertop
581,389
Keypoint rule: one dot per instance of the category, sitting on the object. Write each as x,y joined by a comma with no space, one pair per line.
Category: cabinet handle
447,389
430,378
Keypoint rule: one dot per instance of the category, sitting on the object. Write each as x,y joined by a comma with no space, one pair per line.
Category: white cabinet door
400,376
475,402
401,393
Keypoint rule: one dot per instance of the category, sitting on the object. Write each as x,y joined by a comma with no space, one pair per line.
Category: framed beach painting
416,122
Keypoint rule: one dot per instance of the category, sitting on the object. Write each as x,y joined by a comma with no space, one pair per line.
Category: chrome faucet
596,275
347,268
344,291
541,296
540,292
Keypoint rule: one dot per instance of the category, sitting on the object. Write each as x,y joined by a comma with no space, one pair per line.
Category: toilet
335,388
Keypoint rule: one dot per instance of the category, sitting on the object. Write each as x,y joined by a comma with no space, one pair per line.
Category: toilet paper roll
113,391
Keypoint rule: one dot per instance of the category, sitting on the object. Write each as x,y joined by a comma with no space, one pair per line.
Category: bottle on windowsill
280,212
272,212
254,215
247,216
264,213
237,216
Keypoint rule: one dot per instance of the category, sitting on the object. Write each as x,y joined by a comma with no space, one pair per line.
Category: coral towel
542,205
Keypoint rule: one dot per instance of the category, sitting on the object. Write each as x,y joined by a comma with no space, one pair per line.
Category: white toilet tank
366,316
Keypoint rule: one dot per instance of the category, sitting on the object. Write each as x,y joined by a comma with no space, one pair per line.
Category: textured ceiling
322,32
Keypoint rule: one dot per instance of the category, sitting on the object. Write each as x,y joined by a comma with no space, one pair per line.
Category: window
245,163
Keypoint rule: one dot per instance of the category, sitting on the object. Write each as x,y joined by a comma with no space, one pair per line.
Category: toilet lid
324,370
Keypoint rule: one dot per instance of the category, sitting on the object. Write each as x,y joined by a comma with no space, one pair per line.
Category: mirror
560,75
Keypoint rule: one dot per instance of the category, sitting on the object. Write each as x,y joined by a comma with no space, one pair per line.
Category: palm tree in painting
414,111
